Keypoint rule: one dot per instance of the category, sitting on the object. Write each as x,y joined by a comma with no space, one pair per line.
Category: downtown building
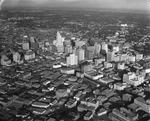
59,43
110,56
89,52
25,45
71,60
68,49
16,57
80,53
104,48
29,55
97,48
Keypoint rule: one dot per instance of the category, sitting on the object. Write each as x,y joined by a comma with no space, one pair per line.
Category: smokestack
1,2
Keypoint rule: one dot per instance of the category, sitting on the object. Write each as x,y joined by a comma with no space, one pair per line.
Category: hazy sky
117,4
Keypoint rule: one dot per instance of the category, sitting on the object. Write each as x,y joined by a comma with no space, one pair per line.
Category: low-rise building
71,103
122,115
127,97
78,95
145,106
106,80
133,79
119,86
134,107
101,111
61,93
91,102
93,74
88,115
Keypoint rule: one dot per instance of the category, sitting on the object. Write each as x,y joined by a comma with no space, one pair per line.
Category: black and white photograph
74,60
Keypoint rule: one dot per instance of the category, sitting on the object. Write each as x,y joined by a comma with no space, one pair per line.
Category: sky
113,4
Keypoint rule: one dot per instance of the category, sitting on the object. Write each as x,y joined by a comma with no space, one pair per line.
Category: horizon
122,5
27,8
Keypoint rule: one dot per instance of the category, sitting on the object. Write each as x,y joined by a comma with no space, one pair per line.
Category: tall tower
97,48
16,57
110,56
25,45
59,43
105,47
71,60
89,52
81,54
68,49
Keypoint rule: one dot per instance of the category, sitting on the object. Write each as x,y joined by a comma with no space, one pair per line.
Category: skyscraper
29,55
25,46
110,56
68,49
105,47
71,60
81,54
59,43
86,66
89,54
16,57
59,39
32,39
97,48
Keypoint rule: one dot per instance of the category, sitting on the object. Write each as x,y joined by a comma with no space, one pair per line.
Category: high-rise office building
60,49
29,55
89,54
25,46
68,49
97,48
59,43
16,57
74,50
34,46
32,39
81,54
52,48
110,56
105,47
71,60
59,39
86,66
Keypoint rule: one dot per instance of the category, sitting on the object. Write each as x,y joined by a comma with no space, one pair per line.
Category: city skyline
66,64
